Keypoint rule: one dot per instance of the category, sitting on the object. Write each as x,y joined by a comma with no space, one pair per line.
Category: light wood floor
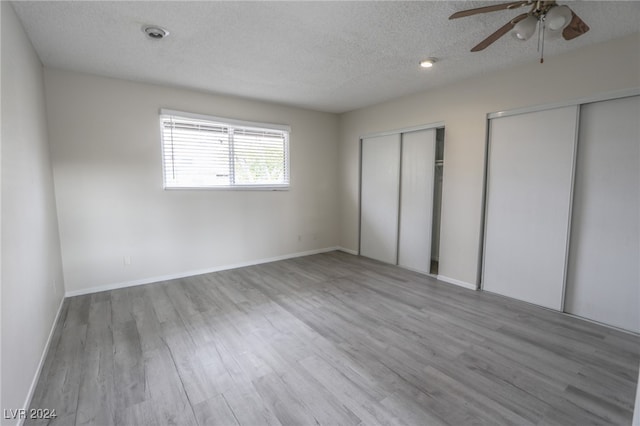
329,339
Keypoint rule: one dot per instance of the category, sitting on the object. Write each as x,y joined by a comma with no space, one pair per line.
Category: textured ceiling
328,56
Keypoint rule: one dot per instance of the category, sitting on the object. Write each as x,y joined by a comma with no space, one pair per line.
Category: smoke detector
155,32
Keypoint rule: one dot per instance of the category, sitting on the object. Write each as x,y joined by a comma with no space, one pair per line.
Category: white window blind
210,152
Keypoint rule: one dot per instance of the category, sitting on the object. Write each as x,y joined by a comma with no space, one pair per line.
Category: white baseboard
184,274
36,377
346,250
457,282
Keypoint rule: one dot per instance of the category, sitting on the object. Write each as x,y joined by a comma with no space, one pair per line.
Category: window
208,152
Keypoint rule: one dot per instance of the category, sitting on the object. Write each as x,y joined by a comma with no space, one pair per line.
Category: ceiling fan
546,16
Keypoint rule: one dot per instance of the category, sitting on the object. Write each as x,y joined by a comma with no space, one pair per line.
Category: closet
528,205
562,209
379,195
397,198
603,279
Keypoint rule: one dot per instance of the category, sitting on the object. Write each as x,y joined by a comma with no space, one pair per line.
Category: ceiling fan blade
493,8
576,27
499,33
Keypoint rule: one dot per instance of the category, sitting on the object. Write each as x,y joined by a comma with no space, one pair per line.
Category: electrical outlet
127,260
299,237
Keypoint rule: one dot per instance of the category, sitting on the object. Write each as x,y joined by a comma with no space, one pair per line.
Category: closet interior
437,202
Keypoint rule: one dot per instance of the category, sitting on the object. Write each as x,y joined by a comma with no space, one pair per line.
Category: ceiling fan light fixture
557,18
549,19
524,29
428,63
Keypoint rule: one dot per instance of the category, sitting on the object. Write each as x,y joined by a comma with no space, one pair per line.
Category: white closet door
380,197
603,282
416,200
530,176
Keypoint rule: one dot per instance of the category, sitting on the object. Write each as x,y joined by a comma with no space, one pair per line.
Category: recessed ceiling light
155,32
428,63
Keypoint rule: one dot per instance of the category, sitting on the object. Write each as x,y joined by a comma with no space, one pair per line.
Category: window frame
230,123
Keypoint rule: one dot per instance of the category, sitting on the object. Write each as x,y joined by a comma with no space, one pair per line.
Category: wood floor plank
329,339
147,322
166,390
353,394
411,410
129,370
96,404
197,384
44,385
65,370
285,405
249,408
144,413
215,411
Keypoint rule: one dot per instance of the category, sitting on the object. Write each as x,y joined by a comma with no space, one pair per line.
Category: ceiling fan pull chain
542,28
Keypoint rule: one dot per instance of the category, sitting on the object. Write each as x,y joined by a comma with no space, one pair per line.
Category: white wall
105,141
32,284
463,107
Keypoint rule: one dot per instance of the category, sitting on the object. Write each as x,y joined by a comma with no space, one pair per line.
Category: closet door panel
380,197
530,174
416,200
603,282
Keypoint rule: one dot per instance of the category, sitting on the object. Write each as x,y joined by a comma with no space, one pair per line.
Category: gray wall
32,285
105,144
